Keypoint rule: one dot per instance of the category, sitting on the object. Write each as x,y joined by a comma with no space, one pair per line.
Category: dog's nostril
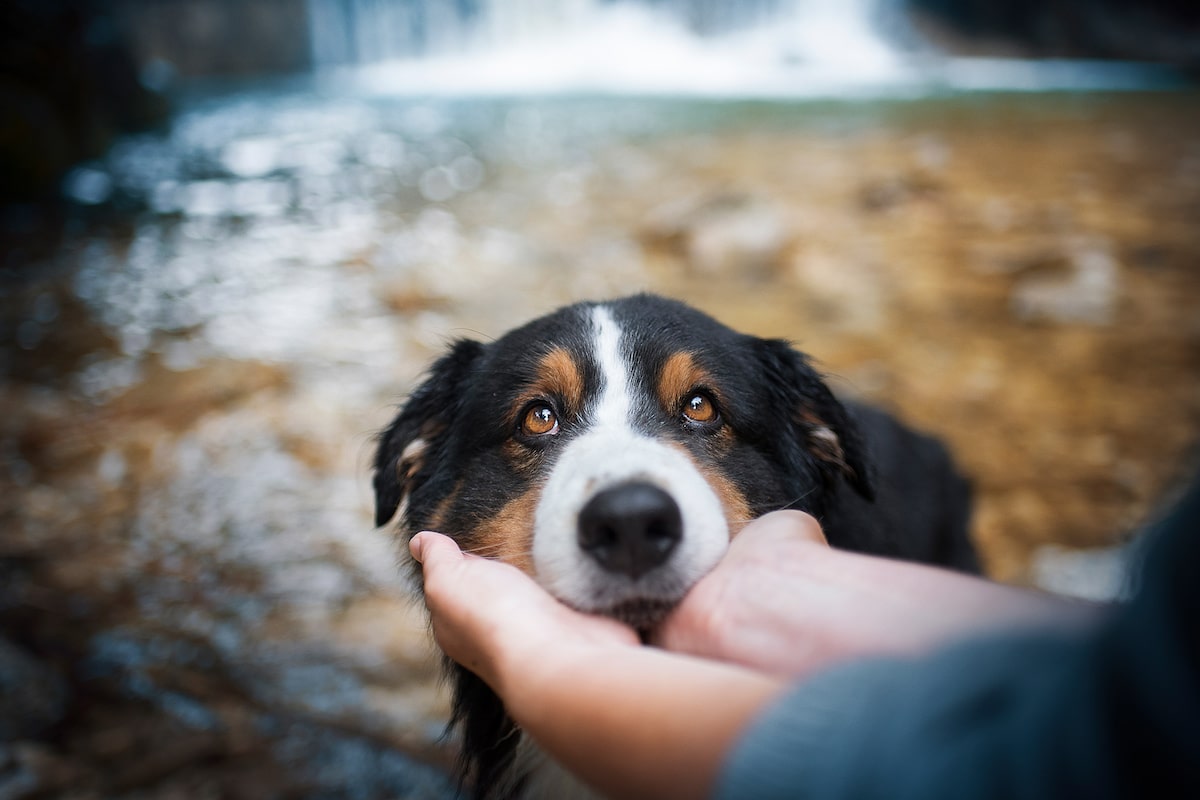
631,528
606,537
662,535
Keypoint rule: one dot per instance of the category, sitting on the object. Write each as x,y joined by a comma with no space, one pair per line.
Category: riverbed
194,371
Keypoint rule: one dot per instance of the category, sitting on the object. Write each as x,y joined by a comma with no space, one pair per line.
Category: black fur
489,736
876,486
429,414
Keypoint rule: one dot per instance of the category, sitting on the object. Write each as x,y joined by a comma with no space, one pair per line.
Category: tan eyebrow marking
559,374
679,375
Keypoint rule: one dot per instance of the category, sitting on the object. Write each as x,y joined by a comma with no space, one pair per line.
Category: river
194,371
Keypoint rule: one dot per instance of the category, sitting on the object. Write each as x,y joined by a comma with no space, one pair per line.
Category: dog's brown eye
540,420
699,408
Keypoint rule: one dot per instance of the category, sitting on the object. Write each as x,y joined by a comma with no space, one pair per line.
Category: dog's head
611,450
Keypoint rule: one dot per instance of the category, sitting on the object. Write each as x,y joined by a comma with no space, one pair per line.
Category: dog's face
611,450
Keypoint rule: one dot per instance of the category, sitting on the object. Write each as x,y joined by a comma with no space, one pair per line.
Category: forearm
902,607
634,721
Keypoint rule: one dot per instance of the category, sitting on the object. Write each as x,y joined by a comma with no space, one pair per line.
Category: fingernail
414,547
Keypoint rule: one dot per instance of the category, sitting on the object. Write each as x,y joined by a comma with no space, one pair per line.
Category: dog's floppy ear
820,424
421,423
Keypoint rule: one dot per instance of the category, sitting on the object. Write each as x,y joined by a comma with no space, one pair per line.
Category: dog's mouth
642,614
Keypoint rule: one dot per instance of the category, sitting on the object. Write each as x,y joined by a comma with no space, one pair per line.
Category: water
191,387
782,50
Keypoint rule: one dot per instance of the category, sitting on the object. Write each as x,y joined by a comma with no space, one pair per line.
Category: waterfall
643,46
370,31
711,48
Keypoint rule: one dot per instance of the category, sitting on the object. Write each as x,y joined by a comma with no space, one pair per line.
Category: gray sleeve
965,723
1103,713
785,751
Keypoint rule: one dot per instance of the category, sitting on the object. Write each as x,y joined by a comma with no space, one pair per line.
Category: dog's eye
540,420
699,408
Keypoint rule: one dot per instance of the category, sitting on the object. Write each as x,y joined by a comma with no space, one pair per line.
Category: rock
31,769
32,695
886,193
1151,30
221,37
69,84
750,239
1086,295
1014,257
721,234
842,288
668,226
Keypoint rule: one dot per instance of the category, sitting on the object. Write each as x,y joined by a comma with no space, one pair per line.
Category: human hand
784,602
631,721
750,609
491,618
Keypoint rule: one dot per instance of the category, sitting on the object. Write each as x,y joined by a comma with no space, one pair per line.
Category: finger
789,526
428,546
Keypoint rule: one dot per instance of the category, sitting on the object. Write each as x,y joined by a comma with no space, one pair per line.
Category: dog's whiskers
785,506
497,550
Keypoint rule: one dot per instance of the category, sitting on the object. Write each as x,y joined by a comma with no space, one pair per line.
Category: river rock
722,233
1086,294
32,695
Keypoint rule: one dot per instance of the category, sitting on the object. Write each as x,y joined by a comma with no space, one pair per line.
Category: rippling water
191,386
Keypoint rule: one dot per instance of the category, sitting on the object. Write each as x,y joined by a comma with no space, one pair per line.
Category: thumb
429,547
779,527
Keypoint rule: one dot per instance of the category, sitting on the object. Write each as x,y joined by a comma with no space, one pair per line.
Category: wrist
527,675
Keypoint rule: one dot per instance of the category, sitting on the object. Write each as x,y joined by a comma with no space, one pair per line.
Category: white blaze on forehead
610,452
616,401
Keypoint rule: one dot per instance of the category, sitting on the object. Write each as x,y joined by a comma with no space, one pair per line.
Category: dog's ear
403,446
820,423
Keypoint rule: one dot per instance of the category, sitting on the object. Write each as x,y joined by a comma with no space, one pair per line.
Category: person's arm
784,602
631,721
1108,711
637,721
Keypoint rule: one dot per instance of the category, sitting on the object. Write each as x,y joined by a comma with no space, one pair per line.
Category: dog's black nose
631,528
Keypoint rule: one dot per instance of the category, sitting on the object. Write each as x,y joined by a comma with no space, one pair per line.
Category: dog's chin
641,614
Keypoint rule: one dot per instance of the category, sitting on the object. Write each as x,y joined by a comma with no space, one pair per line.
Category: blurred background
235,232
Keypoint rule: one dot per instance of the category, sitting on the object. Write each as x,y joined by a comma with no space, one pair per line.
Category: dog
612,449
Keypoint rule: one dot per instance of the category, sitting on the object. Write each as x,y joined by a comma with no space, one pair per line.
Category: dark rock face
1153,30
32,697
69,85
219,37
